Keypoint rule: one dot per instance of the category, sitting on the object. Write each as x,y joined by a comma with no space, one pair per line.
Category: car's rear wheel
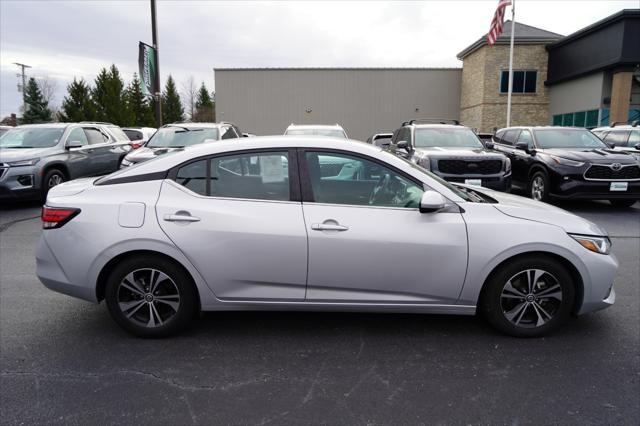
52,178
622,203
539,186
150,297
529,297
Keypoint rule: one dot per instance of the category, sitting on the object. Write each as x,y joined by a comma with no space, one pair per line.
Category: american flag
497,21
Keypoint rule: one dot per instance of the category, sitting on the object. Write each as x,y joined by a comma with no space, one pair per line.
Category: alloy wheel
148,297
537,188
54,180
531,298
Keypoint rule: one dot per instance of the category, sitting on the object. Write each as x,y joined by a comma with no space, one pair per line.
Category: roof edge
337,69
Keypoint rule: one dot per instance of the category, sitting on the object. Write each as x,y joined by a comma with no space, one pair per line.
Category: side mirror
431,202
489,145
611,144
403,145
637,147
523,146
74,144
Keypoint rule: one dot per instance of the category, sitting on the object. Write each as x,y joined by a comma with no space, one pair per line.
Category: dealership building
587,79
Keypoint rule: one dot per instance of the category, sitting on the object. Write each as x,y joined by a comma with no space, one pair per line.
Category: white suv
624,137
332,130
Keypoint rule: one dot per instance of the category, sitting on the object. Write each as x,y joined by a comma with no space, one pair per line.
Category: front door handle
180,218
328,227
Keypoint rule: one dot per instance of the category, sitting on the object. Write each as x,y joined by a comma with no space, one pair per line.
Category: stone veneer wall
482,106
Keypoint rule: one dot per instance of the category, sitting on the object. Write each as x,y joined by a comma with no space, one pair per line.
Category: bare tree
48,88
189,95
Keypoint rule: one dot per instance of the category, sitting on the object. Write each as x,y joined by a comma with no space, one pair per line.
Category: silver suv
453,152
37,157
624,137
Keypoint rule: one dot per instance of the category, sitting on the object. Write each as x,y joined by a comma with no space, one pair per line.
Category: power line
24,84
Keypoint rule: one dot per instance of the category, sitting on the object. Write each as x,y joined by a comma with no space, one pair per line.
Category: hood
528,209
457,152
146,153
595,156
17,154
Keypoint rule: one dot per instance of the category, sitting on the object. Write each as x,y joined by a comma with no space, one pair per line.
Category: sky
61,40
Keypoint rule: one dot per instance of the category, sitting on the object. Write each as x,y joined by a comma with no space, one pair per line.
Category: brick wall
482,106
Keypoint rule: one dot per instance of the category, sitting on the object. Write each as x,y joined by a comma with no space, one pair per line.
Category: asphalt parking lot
66,361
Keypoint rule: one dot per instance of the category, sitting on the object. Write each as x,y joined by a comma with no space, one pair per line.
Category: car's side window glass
509,137
338,178
498,136
94,136
77,136
194,177
525,136
227,133
617,138
257,176
634,138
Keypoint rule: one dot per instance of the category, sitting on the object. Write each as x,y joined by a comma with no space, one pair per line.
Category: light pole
24,84
156,89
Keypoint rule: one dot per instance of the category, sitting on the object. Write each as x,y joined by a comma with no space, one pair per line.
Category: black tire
167,320
622,203
498,302
533,191
52,178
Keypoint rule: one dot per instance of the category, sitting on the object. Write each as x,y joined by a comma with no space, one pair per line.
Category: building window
588,119
523,81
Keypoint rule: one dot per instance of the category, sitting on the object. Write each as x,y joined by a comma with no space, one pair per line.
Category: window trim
305,178
294,181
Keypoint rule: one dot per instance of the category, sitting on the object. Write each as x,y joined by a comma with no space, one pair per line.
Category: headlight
565,161
30,162
507,165
600,245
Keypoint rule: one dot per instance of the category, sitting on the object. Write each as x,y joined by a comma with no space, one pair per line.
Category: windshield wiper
187,130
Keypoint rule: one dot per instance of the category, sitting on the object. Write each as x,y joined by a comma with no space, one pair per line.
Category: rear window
133,135
334,133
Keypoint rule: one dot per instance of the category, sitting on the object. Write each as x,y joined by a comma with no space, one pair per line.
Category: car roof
620,127
315,126
192,125
437,126
48,125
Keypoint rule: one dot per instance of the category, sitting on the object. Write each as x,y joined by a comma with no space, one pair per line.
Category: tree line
110,100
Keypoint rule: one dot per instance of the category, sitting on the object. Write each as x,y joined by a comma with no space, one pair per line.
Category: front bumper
598,292
501,182
580,189
22,182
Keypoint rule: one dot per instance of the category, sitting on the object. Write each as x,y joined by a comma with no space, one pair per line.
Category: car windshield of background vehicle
178,137
438,179
568,138
447,138
317,132
118,134
31,138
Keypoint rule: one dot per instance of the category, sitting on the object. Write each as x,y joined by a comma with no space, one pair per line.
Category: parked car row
546,162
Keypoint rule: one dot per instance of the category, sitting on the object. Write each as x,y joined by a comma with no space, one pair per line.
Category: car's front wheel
52,177
528,297
622,203
539,186
150,297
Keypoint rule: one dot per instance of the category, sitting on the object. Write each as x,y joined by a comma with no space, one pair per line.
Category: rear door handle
180,218
328,227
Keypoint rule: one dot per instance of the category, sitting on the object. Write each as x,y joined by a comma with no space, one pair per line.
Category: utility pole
24,84
157,94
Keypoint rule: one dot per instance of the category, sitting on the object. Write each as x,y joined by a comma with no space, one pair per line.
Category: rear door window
95,136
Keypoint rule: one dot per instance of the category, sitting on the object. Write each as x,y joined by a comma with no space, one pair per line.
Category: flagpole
513,31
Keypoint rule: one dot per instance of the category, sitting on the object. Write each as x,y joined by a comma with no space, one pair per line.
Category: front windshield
31,137
179,137
459,137
567,138
317,132
458,191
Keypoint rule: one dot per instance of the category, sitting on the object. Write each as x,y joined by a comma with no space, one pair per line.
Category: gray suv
37,157
453,152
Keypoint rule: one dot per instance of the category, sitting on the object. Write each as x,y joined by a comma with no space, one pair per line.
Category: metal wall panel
363,101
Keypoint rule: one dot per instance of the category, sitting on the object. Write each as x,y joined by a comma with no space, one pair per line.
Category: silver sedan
309,223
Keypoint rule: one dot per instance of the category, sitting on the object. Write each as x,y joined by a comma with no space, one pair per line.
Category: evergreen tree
204,110
37,107
108,98
172,110
77,105
138,105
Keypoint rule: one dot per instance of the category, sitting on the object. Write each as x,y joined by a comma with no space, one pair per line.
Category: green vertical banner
146,65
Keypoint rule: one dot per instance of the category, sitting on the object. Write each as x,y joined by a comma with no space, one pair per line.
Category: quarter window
95,136
523,81
343,179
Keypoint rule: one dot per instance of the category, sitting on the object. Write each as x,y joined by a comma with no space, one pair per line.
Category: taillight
136,145
55,217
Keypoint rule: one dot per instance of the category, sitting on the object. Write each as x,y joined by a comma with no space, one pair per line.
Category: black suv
453,152
569,163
